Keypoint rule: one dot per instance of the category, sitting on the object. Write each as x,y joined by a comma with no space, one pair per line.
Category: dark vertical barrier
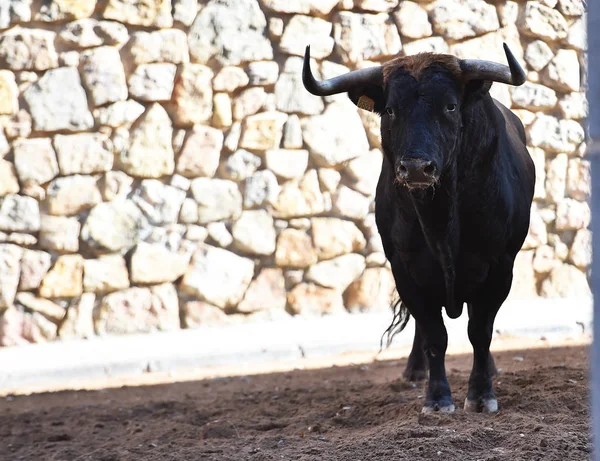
593,94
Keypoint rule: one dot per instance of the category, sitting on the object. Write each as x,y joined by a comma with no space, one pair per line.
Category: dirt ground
354,413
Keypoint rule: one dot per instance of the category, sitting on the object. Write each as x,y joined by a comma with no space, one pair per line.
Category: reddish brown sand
353,413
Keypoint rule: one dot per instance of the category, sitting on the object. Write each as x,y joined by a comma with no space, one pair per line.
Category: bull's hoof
489,405
437,408
442,406
414,375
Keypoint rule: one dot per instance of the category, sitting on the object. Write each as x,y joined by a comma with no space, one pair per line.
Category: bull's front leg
482,313
480,396
435,342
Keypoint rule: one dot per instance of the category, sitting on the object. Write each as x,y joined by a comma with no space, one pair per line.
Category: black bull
452,204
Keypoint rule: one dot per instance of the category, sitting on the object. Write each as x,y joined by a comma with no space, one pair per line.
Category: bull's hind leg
482,313
416,368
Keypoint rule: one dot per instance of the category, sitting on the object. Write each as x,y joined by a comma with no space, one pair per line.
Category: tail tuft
399,322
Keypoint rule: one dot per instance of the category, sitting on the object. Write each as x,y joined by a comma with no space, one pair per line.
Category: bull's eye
390,111
451,107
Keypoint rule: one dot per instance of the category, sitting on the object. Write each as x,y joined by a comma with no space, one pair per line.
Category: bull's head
421,100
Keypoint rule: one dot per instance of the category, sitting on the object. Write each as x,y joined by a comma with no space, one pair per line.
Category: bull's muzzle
416,173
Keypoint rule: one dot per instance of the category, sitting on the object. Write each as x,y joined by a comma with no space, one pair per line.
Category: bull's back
514,144
495,202
519,170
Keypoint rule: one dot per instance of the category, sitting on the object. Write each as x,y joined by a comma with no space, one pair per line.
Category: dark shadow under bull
452,204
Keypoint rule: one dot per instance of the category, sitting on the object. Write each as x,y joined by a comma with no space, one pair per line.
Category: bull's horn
475,69
341,83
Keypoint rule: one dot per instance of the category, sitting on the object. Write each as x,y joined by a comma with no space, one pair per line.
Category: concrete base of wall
268,346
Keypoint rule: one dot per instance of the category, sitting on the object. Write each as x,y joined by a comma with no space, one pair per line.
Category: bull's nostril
402,169
429,169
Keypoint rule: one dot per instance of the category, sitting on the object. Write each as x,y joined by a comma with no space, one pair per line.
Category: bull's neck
479,136
436,209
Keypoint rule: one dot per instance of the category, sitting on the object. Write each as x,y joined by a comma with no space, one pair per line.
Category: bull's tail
399,322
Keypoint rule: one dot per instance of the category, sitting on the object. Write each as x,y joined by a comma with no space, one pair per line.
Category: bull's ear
475,90
369,98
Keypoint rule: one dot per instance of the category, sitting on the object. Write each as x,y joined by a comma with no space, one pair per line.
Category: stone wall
162,167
